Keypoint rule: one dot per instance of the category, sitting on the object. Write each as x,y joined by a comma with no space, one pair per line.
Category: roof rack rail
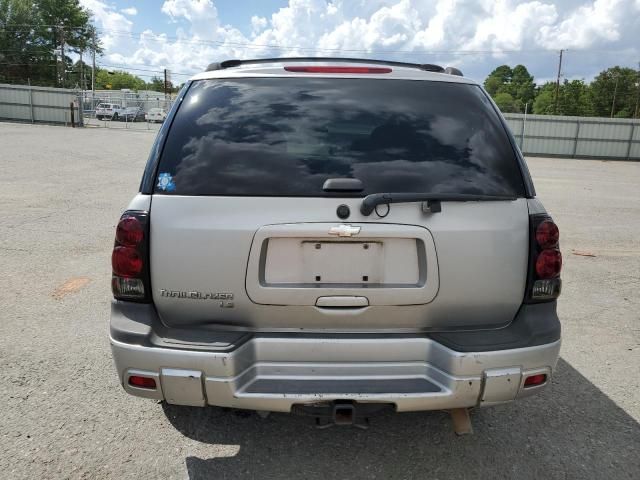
420,66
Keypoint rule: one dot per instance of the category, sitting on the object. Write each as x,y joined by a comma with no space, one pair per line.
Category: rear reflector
142,382
337,69
535,380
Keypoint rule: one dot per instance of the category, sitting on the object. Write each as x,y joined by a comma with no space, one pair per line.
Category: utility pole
82,85
524,126
165,83
555,110
636,113
62,53
615,90
93,69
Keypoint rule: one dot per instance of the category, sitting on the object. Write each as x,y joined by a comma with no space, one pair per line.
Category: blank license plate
342,262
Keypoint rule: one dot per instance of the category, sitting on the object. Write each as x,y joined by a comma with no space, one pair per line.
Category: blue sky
147,36
150,16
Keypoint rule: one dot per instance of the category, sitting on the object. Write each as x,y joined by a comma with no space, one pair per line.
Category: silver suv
335,237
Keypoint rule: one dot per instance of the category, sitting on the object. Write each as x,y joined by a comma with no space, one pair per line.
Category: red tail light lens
130,258
549,263
130,231
547,234
142,382
126,262
338,69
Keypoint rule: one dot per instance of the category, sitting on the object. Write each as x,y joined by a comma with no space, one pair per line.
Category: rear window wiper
370,202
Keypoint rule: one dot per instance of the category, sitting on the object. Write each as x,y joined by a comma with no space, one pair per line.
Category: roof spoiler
420,66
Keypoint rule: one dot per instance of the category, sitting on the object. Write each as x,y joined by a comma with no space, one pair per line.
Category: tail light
336,69
130,258
545,260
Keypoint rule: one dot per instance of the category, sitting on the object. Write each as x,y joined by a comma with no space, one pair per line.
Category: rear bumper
276,371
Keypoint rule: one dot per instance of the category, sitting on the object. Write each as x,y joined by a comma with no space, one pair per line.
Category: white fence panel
38,104
586,137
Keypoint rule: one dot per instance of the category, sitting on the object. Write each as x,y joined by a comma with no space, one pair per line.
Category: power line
19,25
32,64
162,38
144,70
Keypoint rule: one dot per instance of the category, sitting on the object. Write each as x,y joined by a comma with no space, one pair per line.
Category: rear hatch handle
342,301
432,200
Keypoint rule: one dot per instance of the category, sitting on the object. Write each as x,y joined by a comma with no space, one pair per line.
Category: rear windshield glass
286,136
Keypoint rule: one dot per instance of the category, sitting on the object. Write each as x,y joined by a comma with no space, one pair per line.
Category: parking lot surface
64,415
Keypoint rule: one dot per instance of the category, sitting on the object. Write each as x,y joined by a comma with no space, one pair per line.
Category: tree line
39,40
614,92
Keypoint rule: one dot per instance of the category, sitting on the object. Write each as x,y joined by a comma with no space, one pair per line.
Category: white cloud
113,25
589,24
131,11
260,23
476,35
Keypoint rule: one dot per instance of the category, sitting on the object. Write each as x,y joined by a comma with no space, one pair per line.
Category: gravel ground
64,414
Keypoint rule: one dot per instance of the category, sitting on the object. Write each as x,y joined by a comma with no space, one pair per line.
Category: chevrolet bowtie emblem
344,230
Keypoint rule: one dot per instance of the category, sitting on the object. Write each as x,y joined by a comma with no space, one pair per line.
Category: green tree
574,99
618,81
156,84
18,48
522,86
32,31
545,99
79,75
498,79
517,83
505,102
117,80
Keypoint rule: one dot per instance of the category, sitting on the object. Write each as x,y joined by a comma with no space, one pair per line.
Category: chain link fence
142,110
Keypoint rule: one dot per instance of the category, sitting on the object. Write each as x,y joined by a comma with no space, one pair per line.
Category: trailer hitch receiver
344,413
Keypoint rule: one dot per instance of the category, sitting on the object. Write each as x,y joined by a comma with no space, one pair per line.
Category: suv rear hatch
243,234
